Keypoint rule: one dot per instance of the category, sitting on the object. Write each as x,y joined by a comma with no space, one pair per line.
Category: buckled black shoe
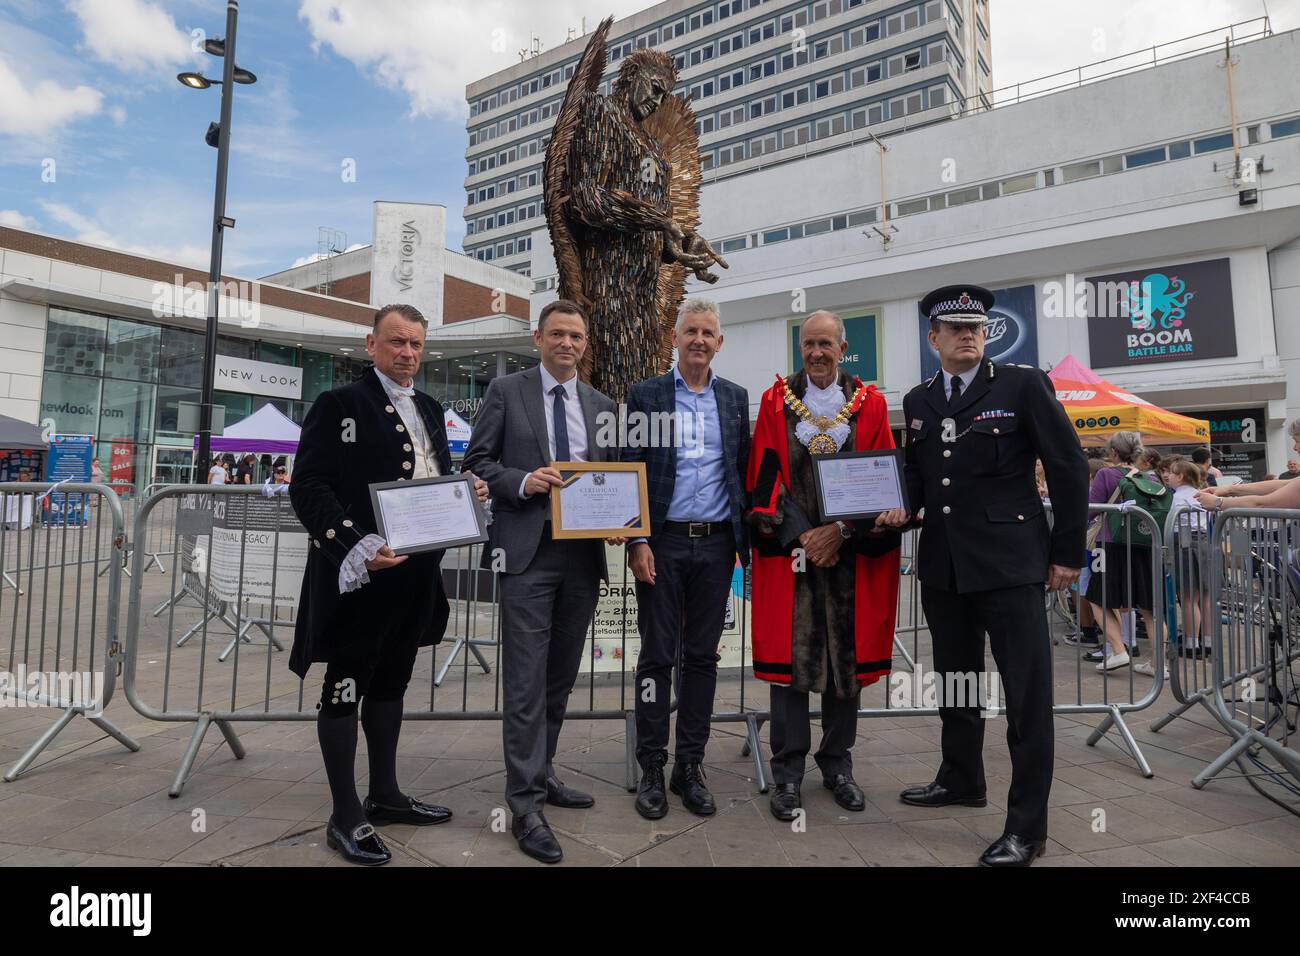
933,795
785,801
1012,850
415,813
651,799
362,846
847,793
688,783
558,795
536,839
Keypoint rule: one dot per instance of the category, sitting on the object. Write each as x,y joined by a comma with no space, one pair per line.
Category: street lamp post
230,74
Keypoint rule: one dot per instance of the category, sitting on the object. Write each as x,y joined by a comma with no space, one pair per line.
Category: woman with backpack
1125,582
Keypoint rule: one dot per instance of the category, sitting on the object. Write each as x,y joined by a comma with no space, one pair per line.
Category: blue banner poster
68,459
1012,330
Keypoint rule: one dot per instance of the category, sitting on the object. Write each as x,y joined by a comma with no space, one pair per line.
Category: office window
876,113
828,87
759,70
1180,150
706,161
762,144
913,102
816,228
790,22
912,61
705,125
733,245
1282,128
911,206
938,95
1076,171
793,98
776,235
936,53
1211,143
862,217
731,154
1145,158
1018,184
933,11
830,126
1112,164
911,19
795,136
960,197
894,25
728,117
790,60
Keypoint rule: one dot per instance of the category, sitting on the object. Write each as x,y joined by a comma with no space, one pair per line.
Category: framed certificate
859,484
428,514
600,499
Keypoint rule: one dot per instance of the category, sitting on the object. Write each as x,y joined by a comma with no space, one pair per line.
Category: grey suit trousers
546,611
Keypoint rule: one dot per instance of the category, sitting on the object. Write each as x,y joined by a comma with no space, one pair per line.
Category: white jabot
823,402
403,399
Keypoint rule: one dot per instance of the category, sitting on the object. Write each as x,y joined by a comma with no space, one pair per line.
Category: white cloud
89,229
40,107
118,115
133,35
430,50
16,220
318,256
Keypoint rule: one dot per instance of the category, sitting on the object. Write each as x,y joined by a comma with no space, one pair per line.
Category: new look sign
258,378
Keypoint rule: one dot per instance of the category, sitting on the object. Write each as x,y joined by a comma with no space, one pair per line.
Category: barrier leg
232,739
1239,746
1115,719
187,759
1163,722
629,735
116,733
898,646
8,579
752,746
35,749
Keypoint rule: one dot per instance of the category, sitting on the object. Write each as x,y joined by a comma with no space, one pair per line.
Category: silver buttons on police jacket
947,510
347,522
329,533
947,453
947,482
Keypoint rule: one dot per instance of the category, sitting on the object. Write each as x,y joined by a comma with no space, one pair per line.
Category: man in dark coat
974,432
364,611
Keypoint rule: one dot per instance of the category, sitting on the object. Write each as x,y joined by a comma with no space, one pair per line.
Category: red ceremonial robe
876,576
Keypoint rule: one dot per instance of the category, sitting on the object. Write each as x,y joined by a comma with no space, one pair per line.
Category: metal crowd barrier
59,641
213,652
1255,570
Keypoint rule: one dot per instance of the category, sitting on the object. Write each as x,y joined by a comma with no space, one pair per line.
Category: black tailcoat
353,437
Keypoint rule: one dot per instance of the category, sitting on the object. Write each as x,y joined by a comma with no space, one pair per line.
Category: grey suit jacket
508,442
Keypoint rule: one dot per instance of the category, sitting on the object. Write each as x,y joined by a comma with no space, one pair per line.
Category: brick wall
465,300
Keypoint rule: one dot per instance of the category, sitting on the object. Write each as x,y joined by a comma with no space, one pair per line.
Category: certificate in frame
830,464
386,497
574,474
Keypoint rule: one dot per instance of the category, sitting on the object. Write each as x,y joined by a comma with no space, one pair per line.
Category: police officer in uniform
987,549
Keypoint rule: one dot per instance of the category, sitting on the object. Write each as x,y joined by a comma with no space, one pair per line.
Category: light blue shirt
966,377
700,489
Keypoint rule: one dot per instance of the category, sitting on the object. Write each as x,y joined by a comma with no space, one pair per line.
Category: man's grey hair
1294,428
699,305
839,323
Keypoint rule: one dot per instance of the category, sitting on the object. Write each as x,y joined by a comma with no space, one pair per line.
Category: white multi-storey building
767,79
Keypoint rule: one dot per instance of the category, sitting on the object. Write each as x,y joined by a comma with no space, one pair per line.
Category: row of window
501,250
504,187
827,45
504,217
1072,172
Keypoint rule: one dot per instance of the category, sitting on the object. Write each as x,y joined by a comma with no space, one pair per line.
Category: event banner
121,466
68,460
1012,330
257,540
1171,314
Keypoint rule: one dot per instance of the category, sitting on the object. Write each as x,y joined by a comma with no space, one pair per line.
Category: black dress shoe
785,801
847,793
558,795
536,839
651,799
933,795
1012,850
415,813
361,846
688,783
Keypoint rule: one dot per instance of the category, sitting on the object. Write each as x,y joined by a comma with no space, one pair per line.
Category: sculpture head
644,79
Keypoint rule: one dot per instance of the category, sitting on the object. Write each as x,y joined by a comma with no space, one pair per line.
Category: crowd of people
248,470
1118,582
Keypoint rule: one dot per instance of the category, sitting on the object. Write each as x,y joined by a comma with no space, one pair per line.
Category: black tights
380,679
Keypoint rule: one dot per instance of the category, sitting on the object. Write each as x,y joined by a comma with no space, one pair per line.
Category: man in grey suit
548,588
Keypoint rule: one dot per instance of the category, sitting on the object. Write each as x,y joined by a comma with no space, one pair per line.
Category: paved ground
90,802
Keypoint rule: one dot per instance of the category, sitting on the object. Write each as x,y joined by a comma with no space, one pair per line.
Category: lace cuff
352,572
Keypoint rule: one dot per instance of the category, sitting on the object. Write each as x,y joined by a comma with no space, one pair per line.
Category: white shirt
966,377
573,419
216,475
403,399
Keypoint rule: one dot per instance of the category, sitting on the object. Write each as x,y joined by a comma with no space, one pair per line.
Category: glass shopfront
122,381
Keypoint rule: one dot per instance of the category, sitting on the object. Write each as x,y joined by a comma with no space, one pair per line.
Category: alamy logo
74,909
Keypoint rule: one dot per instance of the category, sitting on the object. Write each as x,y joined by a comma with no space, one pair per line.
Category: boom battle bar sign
1171,314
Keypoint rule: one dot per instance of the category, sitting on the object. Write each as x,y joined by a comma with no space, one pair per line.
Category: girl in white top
216,474
1186,479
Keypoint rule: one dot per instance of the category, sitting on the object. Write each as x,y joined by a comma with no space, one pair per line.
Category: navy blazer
659,394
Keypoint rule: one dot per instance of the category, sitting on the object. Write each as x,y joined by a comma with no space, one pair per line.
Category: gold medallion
822,444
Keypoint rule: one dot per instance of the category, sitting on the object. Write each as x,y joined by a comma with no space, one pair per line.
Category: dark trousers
681,613
545,613
791,734
1014,620
379,670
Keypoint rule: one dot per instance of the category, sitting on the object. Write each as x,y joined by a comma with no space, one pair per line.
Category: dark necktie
561,425
956,390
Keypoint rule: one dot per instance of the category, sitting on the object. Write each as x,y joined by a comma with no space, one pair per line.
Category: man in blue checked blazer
695,469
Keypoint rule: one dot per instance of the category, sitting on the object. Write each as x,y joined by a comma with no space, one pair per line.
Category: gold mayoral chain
822,443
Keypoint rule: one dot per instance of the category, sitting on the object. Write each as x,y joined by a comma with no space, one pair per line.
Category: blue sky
89,101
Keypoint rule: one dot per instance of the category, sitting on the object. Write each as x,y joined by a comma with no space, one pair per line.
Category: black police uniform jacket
971,467
352,437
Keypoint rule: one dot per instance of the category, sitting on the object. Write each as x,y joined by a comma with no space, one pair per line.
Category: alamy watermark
24,688
975,689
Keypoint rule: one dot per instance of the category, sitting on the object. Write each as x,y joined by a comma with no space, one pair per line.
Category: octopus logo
1158,300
